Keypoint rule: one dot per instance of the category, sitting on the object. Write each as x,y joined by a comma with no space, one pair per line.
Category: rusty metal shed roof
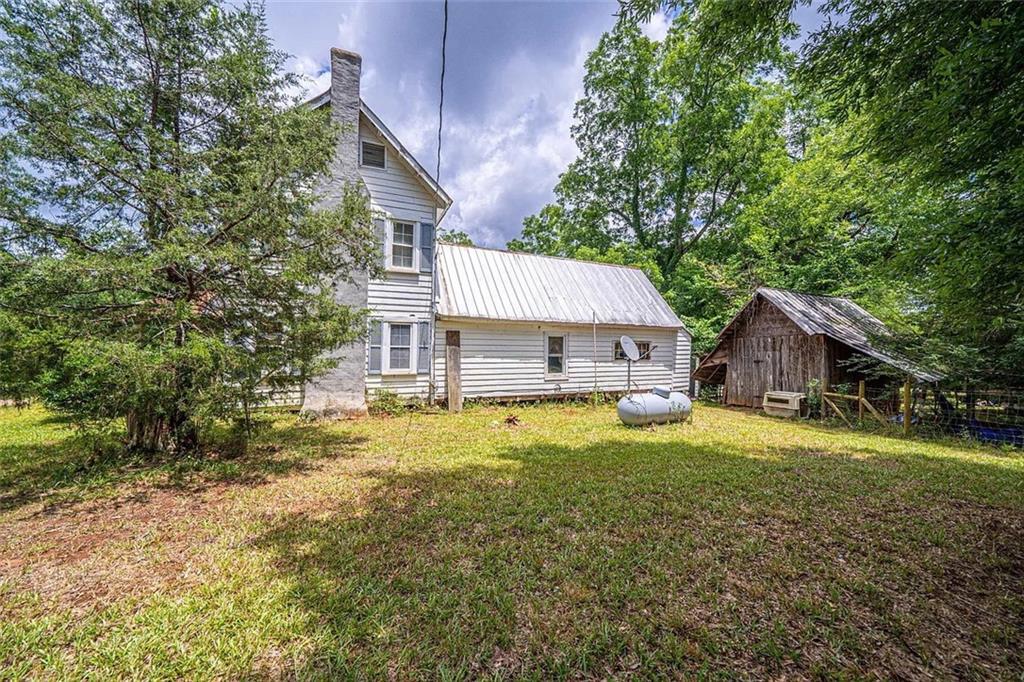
845,321
838,318
490,284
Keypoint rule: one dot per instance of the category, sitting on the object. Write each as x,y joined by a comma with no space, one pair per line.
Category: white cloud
315,76
509,93
351,28
507,162
657,27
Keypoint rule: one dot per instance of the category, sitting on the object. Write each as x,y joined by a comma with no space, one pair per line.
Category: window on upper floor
372,155
403,244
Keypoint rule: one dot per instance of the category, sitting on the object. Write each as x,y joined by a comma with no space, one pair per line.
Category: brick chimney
342,391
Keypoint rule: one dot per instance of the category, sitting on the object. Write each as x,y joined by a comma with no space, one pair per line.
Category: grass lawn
452,547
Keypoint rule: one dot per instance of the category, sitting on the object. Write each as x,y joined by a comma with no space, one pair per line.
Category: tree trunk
148,432
152,433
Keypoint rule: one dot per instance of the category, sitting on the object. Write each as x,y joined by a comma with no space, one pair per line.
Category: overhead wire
440,106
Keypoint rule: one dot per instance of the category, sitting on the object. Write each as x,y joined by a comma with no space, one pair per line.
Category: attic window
373,155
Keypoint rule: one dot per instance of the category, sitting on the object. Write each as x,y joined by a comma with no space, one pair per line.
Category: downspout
432,385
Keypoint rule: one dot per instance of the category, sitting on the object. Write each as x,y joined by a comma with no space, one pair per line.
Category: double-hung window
554,351
399,347
403,241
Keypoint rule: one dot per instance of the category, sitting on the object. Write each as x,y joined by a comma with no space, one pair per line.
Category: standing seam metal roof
523,287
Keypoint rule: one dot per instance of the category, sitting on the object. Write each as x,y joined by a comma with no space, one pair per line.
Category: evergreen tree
163,250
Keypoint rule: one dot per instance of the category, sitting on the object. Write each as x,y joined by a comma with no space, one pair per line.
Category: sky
514,71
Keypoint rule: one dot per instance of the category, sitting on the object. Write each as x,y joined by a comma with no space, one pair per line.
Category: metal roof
838,318
490,284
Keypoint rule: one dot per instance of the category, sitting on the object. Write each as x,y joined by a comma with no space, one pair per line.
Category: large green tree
672,143
938,96
932,92
162,252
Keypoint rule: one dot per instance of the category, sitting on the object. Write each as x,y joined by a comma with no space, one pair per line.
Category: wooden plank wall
769,353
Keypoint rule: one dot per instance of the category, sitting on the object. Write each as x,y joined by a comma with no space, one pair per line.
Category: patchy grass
454,547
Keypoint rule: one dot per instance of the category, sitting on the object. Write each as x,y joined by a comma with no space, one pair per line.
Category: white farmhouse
526,326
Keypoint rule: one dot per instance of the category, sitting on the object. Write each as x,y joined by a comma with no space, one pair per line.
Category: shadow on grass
67,468
665,560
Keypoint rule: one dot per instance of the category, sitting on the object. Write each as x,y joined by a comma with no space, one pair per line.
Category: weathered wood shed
781,340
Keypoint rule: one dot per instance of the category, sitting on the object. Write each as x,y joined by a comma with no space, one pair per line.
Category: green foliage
162,245
460,237
388,403
927,94
672,142
699,164
813,397
936,92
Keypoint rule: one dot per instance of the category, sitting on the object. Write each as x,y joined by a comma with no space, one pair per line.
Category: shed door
751,371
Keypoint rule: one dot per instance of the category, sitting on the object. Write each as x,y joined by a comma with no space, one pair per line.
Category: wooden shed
781,340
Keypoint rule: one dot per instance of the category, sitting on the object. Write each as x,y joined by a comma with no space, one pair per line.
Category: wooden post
860,400
453,370
907,410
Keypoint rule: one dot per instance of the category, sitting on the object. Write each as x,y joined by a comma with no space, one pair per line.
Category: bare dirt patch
88,555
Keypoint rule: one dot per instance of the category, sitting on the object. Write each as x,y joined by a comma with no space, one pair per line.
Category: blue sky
514,72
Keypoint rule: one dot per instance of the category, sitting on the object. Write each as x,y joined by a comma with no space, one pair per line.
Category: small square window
402,240
373,155
643,347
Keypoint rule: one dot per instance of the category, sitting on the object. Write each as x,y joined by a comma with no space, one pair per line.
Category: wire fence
994,416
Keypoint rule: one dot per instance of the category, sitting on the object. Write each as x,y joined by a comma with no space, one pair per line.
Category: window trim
389,237
385,348
565,355
412,246
383,146
643,357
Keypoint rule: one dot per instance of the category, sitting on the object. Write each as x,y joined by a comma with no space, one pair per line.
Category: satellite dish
629,348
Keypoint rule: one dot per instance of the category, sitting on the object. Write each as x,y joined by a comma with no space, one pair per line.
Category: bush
389,403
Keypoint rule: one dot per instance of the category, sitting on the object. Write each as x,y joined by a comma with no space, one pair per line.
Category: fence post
906,407
860,400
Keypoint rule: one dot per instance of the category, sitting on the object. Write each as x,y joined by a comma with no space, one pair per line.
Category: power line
440,107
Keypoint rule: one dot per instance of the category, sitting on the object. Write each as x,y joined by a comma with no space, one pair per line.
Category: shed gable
762,318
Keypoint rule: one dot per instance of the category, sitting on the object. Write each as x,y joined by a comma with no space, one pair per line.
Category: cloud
315,77
657,27
507,164
514,73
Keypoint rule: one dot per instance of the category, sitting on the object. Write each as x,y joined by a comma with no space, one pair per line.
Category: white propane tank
660,406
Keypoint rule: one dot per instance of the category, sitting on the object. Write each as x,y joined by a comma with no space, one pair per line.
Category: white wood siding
506,359
681,376
400,296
